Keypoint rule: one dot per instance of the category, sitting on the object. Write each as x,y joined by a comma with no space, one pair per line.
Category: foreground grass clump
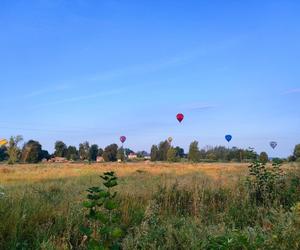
159,211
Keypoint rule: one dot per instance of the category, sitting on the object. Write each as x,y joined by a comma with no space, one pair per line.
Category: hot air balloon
123,138
179,117
228,137
273,144
170,139
3,142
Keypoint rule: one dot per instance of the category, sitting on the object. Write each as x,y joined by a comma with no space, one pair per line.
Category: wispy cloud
292,91
198,106
85,97
165,63
46,91
147,67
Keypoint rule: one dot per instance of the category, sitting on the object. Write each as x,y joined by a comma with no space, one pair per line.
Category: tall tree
179,152
194,152
72,153
84,150
93,152
32,152
3,153
163,150
297,151
154,153
60,149
142,154
100,152
45,155
110,152
171,155
121,154
14,152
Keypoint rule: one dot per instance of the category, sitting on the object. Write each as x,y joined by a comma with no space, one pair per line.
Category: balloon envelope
170,139
123,138
273,144
180,117
228,137
3,142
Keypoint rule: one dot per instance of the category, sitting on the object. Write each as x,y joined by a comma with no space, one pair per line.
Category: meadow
162,206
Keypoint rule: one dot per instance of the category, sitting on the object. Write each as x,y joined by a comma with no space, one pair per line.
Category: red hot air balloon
123,138
180,117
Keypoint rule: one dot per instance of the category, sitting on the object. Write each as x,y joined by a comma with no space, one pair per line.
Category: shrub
263,157
264,183
103,230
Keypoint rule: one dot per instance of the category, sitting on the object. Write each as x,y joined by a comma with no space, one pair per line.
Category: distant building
99,159
58,160
132,156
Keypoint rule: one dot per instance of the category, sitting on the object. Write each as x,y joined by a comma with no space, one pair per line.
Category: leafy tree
202,154
263,157
14,153
179,152
45,155
250,154
100,152
163,150
32,152
121,154
84,150
3,153
297,151
93,152
154,153
110,152
194,152
291,158
171,155
72,153
218,153
60,149
141,154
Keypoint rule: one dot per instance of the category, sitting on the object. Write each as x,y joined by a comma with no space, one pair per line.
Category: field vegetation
160,205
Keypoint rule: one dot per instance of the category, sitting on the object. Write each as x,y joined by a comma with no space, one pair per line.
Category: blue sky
94,70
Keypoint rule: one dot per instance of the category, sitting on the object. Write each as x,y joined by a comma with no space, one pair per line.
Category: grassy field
163,206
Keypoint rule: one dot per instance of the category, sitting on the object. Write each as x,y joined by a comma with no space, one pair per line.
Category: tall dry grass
163,206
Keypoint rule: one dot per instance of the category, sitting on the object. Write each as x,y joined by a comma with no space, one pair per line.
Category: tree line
165,152
32,152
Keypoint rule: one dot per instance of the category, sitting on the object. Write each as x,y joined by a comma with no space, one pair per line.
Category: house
99,159
132,156
58,160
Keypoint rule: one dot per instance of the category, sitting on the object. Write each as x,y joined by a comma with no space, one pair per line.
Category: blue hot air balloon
273,144
228,137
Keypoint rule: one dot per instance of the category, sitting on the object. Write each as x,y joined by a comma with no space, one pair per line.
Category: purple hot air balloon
123,138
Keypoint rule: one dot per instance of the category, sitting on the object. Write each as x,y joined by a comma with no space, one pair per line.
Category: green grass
190,211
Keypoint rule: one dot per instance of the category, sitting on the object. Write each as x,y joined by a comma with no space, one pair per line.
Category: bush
103,230
265,184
